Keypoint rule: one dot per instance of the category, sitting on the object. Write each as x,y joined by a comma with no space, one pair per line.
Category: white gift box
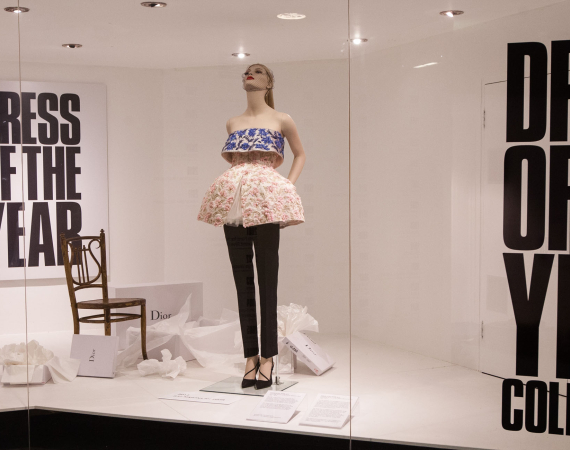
24,374
291,318
309,352
163,300
98,354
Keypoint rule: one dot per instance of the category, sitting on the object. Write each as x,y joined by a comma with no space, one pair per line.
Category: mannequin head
258,77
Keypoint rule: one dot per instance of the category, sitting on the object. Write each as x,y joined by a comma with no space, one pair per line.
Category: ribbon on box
20,362
290,319
213,342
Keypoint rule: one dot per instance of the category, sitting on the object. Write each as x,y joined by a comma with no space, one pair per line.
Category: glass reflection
13,373
150,97
432,316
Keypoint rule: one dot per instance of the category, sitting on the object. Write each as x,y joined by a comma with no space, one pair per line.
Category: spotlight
240,55
153,4
451,13
72,45
16,9
358,41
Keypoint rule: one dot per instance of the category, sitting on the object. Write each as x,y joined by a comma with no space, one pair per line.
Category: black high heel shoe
260,384
245,383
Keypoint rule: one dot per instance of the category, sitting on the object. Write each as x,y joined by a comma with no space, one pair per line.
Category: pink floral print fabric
266,195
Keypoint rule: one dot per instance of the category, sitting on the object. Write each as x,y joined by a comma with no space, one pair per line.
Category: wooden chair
82,257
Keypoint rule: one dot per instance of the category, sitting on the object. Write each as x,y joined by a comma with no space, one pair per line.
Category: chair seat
111,303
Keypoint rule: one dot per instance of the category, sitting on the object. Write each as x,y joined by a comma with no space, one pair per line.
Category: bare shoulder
287,123
229,124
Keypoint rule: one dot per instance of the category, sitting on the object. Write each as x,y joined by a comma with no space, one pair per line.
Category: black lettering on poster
51,150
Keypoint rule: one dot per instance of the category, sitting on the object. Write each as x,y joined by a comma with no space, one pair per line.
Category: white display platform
404,397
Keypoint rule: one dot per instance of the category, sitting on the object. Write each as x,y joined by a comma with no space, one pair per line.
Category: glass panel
134,122
13,373
433,325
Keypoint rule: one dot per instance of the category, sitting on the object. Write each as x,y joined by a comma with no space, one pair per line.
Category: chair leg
143,330
75,323
107,322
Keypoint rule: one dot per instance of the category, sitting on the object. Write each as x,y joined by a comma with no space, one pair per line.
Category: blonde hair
269,94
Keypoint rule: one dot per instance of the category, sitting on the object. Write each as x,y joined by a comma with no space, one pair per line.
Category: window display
411,271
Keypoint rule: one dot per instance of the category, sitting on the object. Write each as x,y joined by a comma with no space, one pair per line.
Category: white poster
53,167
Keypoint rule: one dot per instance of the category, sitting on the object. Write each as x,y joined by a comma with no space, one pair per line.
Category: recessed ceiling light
153,4
240,55
358,41
72,45
291,16
424,65
451,13
16,9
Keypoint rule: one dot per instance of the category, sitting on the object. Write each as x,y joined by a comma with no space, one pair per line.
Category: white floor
404,397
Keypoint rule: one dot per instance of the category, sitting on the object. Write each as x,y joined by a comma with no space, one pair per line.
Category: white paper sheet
203,397
331,411
277,407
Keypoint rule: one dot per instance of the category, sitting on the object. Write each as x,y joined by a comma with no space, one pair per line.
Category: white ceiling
190,33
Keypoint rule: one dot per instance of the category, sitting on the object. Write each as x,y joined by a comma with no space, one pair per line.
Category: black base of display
72,431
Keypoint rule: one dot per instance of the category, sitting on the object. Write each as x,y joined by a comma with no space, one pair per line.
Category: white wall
416,155
416,143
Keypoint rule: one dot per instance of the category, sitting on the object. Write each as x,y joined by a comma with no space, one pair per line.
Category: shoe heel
262,384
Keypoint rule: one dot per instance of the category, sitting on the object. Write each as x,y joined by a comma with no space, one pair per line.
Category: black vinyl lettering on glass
527,308
541,418
32,163
6,170
517,423
48,133
9,113
70,133
553,401
513,193
71,228
563,319
41,221
515,91
559,196
27,117
14,233
50,170
559,91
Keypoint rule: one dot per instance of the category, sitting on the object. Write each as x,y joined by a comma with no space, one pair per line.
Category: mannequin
252,201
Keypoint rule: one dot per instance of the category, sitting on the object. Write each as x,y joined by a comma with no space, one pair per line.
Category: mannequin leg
266,244
239,240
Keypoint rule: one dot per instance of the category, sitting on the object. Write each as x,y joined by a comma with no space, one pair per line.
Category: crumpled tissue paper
213,342
167,368
290,319
20,362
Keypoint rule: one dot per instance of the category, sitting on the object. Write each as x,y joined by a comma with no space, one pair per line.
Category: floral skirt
265,195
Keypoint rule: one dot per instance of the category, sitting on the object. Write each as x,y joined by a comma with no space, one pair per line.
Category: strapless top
254,140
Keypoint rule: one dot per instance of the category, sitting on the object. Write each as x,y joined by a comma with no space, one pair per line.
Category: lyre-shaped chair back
85,264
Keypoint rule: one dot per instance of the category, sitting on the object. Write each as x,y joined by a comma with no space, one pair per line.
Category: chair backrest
85,264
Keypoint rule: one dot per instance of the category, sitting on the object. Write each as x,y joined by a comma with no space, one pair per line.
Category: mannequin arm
289,130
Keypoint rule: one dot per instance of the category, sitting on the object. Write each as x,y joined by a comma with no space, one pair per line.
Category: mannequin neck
256,103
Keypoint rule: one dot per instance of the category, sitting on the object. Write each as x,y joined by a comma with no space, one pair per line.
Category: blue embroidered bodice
254,139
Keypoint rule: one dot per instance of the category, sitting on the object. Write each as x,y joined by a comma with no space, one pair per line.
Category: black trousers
265,239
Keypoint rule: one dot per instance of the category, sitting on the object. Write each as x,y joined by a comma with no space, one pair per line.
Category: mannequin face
256,78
